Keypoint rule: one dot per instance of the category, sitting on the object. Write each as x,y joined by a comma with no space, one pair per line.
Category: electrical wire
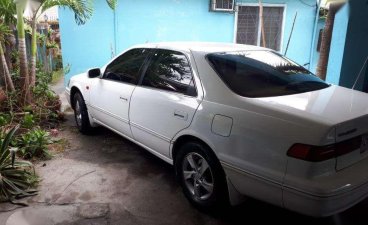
301,1
360,73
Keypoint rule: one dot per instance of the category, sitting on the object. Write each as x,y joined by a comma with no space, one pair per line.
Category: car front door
165,102
111,95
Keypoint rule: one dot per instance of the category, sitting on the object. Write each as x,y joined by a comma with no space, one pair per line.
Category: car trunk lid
344,109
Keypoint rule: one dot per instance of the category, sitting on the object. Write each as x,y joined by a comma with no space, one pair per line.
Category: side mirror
93,73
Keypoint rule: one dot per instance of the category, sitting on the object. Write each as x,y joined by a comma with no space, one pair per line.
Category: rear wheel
201,176
81,114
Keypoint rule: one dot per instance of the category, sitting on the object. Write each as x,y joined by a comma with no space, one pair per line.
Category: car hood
333,105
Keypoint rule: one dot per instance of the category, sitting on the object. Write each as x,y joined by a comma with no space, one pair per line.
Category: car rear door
111,95
165,101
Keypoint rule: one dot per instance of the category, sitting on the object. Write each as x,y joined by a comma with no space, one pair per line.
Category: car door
165,102
111,95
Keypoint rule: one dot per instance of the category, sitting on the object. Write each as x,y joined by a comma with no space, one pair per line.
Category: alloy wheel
198,176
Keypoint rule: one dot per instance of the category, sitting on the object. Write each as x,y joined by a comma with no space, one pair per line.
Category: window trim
140,74
215,9
148,63
281,5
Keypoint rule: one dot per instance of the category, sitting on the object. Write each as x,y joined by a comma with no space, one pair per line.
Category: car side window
126,68
170,71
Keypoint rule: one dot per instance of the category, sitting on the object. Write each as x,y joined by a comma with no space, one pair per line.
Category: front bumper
67,94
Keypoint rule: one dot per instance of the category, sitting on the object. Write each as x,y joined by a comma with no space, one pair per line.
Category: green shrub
28,121
4,119
16,177
34,143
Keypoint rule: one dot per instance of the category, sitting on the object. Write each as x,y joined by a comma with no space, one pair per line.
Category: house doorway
248,26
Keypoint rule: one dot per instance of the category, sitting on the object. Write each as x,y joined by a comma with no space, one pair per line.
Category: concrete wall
89,45
338,45
94,43
301,39
356,46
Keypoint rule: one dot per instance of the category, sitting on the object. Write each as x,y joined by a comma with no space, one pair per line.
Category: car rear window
263,73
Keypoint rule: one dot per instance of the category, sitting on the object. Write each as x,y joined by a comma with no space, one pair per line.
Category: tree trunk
32,74
5,71
23,62
326,41
9,46
8,57
262,24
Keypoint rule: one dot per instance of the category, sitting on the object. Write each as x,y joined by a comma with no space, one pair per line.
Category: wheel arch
185,138
73,91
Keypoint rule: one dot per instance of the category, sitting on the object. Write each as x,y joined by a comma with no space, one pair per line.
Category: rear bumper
327,194
322,206
319,197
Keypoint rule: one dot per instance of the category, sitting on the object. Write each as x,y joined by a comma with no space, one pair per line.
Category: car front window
261,73
126,68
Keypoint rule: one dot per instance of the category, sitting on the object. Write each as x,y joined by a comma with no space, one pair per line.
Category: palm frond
16,177
112,4
7,11
82,8
7,140
4,30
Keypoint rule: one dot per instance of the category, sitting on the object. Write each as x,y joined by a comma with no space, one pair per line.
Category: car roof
206,47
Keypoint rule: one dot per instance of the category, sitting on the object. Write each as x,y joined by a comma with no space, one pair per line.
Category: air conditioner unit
222,5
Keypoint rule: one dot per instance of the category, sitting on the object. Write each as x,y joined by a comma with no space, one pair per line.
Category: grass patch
57,76
59,146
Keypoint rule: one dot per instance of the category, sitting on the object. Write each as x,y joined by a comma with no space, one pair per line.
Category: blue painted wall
93,44
301,39
89,45
356,47
338,45
168,20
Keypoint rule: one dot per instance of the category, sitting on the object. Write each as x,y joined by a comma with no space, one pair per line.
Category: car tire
81,114
205,188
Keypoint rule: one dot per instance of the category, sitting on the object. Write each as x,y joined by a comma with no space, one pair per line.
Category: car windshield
263,73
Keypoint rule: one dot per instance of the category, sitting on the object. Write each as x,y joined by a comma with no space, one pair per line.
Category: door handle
181,115
124,99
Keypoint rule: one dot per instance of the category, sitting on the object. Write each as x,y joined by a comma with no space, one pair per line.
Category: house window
222,5
249,26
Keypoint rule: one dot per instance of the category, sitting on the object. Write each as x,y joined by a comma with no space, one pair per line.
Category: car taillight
321,153
312,153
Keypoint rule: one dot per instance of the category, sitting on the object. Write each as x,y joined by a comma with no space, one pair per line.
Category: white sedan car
235,121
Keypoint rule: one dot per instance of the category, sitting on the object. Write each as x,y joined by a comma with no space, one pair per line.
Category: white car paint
250,136
112,99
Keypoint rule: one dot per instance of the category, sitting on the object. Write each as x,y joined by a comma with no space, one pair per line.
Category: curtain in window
248,23
273,18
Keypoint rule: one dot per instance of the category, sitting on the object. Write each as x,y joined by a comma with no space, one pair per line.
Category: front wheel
81,114
201,176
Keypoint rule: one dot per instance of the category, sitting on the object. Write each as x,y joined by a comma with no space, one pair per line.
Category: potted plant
52,102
